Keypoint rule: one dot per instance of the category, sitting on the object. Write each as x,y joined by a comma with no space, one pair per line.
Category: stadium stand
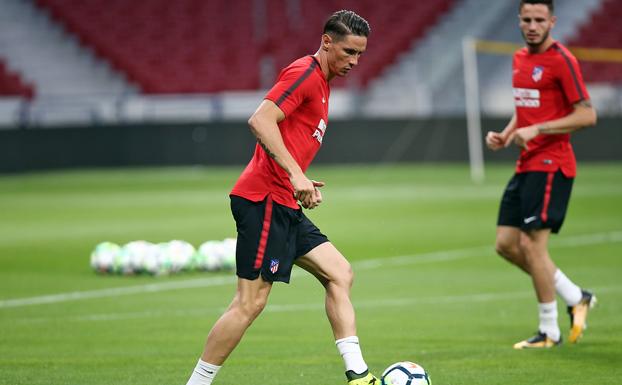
195,46
421,84
602,30
117,61
11,84
51,59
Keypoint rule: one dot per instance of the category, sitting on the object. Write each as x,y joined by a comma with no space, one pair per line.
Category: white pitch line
298,307
432,257
117,291
399,302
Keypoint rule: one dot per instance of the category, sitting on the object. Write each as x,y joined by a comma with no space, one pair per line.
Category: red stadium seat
189,46
11,84
601,31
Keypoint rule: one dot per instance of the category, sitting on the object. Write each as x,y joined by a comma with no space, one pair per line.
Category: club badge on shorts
274,265
536,74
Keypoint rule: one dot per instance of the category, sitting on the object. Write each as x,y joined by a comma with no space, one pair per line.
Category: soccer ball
228,258
405,373
179,253
212,255
164,261
103,257
151,261
134,254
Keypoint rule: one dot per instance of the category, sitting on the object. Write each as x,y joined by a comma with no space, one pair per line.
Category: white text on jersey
321,129
526,97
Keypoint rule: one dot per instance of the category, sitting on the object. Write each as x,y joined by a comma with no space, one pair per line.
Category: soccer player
551,102
273,232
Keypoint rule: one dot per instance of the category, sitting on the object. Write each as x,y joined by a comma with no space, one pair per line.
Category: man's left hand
523,135
317,196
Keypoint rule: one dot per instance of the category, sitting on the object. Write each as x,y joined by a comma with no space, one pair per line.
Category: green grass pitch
428,286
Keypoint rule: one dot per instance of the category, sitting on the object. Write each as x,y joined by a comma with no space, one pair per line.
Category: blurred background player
551,102
273,232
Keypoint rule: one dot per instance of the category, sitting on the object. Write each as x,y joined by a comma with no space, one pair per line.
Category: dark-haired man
551,102
273,232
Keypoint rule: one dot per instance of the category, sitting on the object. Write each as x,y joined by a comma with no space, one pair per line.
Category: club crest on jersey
536,74
274,265
321,129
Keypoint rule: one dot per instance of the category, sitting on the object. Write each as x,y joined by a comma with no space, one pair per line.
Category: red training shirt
301,92
546,86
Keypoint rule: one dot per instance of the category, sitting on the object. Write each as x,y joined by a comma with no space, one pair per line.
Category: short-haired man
273,232
551,102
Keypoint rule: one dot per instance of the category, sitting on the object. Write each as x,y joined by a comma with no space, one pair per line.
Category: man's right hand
304,190
495,141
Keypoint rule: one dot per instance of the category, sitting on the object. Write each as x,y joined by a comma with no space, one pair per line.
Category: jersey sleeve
571,79
290,90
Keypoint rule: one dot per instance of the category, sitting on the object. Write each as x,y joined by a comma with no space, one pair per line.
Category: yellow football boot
539,341
366,378
578,315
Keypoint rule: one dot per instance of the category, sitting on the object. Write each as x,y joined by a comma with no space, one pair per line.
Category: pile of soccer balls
142,257
405,373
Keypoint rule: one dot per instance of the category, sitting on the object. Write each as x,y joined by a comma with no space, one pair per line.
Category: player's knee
348,276
251,308
526,245
258,305
530,249
506,249
344,276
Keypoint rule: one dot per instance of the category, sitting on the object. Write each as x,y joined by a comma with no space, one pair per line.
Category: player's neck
323,60
542,47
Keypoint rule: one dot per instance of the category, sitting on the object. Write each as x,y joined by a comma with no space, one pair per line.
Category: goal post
471,95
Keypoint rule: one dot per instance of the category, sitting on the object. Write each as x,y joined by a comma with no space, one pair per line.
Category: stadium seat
193,46
11,84
602,30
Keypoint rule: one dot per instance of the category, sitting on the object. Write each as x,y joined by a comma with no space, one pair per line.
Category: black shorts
270,238
535,200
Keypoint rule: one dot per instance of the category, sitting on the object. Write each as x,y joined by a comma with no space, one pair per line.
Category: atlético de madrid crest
536,74
274,265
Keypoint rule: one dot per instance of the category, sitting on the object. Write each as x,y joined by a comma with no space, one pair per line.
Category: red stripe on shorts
265,230
547,196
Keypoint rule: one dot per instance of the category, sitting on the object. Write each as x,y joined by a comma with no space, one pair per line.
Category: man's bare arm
264,125
583,115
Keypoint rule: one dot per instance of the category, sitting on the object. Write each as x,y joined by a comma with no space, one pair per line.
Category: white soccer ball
212,255
228,257
164,261
180,254
135,254
151,263
405,373
103,256
121,263
197,262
